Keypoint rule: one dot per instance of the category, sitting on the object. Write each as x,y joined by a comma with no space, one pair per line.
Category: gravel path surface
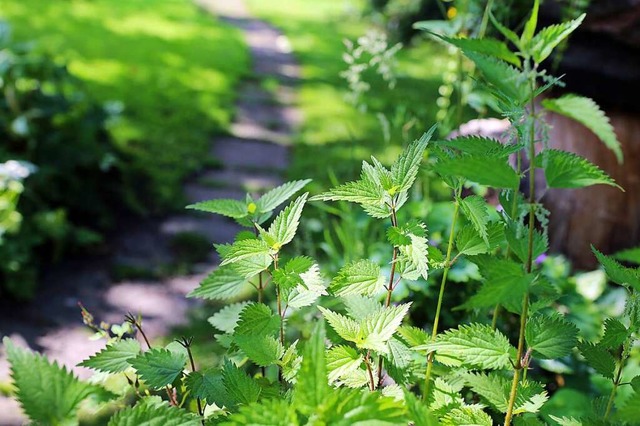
253,158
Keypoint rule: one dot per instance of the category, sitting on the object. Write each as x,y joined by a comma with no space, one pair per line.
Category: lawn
335,135
169,66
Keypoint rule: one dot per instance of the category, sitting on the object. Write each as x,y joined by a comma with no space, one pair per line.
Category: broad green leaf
479,145
473,346
517,235
240,388
564,169
205,385
491,387
588,113
346,328
631,255
271,412
548,38
414,258
399,355
361,306
342,360
360,277
485,46
227,318
629,410
159,367
469,415
598,358
566,421
484,170
503,77
257,319
253,250
418,412
617,273
312,387
445,395
311,288
230,208
615,334
470,243
222,284
114,358
405,169
47,393
376,329
475,209
153,415
362,192
530,25
550,336
413,336
279,195
285,225
262,350
291,363
355,407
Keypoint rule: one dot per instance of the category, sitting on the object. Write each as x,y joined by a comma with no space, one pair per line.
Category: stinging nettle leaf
257,319
506,79
240,388
346,328
114,358
226,207
485,46
147,414
360,277
279,195
159,367
564,169
616,272
598,358
548,38
475,209
586,112
244,249
285,225
470,243
262,350
615,334
484,170
342,360
470,415
550,336
227,318
479,145
377,328
405,169
222,284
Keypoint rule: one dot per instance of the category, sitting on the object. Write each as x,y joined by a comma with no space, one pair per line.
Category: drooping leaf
616,272
615,334
543,43
504,77
469,415
361,277
485,46
279,195
564,169
151,414
285,225
473,346
631,255
231,208
362,192
405,169
262,350
342,360
550,336
114,358
222,284
257,319
484,170
598,358
227,318
47,393
159,367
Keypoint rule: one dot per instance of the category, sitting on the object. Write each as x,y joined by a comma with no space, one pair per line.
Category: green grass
335,135
173,67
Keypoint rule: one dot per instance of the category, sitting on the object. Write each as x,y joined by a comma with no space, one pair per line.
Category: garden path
253,157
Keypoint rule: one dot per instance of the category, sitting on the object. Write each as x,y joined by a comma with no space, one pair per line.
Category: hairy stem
529,265
612,396
367,362
186,343
390,287
443,283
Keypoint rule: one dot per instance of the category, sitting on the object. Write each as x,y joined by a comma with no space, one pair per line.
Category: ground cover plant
303,350
169,69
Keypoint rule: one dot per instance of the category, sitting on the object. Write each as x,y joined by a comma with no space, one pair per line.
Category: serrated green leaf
564,169
262,350
469,415
550,336
615,334
221,284
484,170
399,355
470,243
285,225
485,46
543,43
505,78
342,360
361,306
205,385
240,388
361,192
413,336
616,272
159,367
291,363
257,319
311,288
566,421
530,26
347,407
377,328
479,145
476,211
517,236
598,358
271,412
445,395
346,328
279,195
405,169
629,410
397,236
631,255
227,318
313,386
418,412
414,258
491,387
114,358
506,32
153,415
361,277
249,257
231,208
635,384
47,393
474,346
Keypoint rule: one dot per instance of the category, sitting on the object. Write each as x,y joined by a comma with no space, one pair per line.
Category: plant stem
390,287
616,383
443,283
260,286
280,313
367,362
186,343
529,265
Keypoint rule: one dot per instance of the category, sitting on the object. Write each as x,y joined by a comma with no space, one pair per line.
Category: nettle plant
371,365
